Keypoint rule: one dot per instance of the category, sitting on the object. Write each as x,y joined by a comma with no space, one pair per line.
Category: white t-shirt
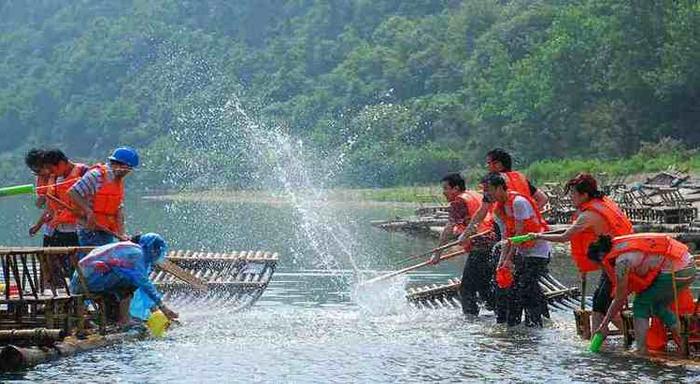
633,261
523,211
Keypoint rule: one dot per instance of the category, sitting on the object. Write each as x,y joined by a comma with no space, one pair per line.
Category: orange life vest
648,244
42,182
473,201
108,200
616,220
61,214
535,224
517,182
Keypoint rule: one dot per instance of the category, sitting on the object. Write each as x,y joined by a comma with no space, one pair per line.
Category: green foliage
667,154
406,90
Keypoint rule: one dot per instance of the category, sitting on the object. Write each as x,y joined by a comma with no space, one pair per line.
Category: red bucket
14,291
504,277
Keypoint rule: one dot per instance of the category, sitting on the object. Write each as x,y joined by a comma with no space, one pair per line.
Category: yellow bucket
158,323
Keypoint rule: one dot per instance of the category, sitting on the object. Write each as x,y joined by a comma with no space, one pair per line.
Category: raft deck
41,319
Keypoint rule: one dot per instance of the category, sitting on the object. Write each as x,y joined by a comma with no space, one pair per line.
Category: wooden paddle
442,248
175,270
167,265
411,268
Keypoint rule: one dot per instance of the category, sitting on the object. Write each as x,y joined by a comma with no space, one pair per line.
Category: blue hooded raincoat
124,265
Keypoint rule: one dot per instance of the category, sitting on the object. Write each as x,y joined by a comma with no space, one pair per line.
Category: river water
309,326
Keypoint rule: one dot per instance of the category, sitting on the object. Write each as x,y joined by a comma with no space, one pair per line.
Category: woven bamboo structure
42,319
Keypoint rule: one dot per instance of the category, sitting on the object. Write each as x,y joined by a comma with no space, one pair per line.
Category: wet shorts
655,300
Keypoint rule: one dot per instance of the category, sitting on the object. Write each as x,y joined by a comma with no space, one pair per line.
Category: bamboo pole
413,267
442,248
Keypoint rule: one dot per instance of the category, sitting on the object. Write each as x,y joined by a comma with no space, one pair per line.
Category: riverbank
634,169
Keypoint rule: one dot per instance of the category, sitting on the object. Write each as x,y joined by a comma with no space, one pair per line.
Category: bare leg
124,311
641,328
676,334
596,319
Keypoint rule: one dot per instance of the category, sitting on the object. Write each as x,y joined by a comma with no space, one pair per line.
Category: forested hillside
417,87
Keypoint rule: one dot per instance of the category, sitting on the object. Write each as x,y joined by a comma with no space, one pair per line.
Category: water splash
222,138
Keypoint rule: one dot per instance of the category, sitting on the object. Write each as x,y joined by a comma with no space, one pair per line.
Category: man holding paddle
499,161
479,267
100,197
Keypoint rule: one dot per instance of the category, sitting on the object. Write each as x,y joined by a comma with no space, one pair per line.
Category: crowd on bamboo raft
83,206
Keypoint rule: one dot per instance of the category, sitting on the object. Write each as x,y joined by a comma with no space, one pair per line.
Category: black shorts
61,239
602,297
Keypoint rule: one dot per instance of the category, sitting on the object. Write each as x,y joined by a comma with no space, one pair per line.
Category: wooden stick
583,291
175,270
411,268
441,248
97,226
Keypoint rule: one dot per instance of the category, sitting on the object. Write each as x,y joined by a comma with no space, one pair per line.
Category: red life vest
517,182
535,224
648,244
473,201
61,214
108,200
41,183
617,222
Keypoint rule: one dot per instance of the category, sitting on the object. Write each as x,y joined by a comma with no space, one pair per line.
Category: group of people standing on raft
84,206
655,267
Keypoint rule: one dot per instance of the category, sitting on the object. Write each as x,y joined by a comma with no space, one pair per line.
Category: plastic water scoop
596,342
158,323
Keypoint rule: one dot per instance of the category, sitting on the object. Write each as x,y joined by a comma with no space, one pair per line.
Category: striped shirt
91,181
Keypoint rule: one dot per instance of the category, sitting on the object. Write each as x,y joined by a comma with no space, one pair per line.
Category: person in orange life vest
34,159
479,267
648,264
596,215
63,221
517,214
100,195
500,161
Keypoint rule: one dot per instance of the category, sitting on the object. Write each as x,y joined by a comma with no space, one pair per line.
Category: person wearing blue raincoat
119,270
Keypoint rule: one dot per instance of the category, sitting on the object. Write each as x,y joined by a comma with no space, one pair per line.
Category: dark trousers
477,280
60,265
524,295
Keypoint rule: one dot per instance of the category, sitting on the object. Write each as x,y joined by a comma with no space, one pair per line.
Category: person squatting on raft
653,266
479,267
100,196
595,215
117,270
517,214
500,161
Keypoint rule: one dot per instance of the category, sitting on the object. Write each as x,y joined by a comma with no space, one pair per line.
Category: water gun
18,190
520,239
27,189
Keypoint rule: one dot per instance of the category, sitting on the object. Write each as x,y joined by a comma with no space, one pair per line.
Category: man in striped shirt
100,195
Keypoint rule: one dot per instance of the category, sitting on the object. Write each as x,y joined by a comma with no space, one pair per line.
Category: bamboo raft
41,319
446,296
